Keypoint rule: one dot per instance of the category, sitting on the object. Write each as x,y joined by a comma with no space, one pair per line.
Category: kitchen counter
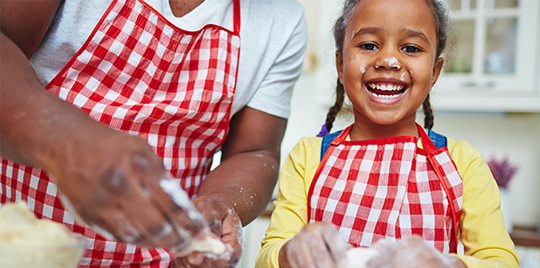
525,236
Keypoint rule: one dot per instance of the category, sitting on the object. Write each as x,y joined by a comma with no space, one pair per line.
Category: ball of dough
26,241
358,257
208,245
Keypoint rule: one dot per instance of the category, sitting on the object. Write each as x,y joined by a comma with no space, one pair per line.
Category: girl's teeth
386,96
393,90
386,87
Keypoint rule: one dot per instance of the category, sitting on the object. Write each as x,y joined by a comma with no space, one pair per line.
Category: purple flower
502,171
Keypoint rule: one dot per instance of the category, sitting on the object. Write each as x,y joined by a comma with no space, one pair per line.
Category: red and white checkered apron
388,189
142,75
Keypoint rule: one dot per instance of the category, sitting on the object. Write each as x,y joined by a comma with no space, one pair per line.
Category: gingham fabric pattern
387,190
140,74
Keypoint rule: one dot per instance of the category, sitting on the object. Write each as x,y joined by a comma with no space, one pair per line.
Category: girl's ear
437,68
339,66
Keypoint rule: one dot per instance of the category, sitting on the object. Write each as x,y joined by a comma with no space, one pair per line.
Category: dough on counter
209,245
26,241
358,257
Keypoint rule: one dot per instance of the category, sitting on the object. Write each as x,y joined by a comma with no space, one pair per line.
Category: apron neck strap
426,141
236,14
342,136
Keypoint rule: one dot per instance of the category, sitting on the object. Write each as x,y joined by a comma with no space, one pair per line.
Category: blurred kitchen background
488,95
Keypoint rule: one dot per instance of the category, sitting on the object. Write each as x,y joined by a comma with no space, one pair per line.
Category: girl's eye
410,49
369,46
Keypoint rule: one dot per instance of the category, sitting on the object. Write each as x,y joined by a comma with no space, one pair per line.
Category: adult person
101,101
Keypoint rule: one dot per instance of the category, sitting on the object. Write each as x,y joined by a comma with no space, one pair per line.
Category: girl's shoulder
460,148
309,145
457,148
470,163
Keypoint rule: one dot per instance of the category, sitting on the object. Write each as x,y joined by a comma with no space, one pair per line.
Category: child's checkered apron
140,74
388,189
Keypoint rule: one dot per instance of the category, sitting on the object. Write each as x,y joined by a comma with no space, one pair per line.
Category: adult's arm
239,189
245,179
111,179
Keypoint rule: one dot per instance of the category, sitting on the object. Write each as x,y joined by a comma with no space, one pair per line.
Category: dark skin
117,177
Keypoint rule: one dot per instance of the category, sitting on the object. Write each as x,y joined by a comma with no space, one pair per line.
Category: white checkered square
47,211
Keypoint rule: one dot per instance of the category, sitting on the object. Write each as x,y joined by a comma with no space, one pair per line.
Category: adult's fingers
172,207
177,207
129,216
231,237
133,214
214,212
154,227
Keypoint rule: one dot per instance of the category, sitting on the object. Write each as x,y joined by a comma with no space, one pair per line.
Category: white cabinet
494,62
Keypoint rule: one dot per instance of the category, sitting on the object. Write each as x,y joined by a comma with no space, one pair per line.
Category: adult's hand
118,186
316,245
410,252
226,225
239,189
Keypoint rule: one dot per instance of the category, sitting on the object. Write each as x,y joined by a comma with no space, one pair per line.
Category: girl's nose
387,62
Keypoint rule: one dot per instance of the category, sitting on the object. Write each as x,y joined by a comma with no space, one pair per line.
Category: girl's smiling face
388,61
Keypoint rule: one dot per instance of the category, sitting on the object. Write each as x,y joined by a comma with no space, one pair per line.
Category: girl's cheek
362,65
353,60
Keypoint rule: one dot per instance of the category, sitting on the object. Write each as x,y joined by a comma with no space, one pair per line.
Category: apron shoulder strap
326,140
438,140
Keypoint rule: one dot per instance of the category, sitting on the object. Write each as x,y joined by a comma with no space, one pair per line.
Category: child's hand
410,252
316,245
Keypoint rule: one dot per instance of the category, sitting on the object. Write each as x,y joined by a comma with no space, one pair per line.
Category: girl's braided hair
439,10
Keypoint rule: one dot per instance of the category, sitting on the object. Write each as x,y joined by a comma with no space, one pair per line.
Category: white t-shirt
273,36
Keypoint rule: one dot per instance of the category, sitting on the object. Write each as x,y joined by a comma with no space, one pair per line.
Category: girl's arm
483,234
290,212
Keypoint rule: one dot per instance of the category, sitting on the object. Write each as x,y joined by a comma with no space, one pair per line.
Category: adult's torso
269,37
139,73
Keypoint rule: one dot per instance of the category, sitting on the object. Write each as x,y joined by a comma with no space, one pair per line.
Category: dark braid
334,110
440,13
339,32
428,113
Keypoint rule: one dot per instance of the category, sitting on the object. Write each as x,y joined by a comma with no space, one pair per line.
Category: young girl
385,178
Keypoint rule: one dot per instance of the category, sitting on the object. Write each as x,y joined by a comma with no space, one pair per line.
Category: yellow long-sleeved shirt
482,232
